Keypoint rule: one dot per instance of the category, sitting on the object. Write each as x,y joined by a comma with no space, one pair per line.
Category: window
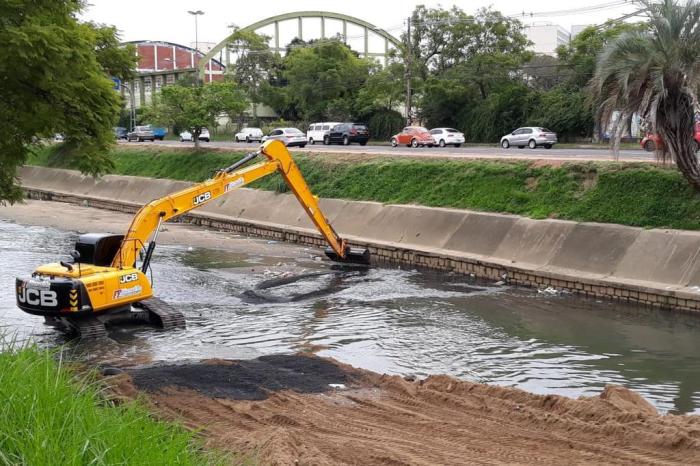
452,130
147,84
324,127
311,128
170,79
276,132
435,131
527,131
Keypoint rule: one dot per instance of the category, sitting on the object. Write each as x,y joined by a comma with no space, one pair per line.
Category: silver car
289,136
530,136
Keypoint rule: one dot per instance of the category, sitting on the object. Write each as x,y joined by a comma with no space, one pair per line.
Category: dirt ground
285,410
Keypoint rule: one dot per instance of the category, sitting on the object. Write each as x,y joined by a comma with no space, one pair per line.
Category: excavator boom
278,159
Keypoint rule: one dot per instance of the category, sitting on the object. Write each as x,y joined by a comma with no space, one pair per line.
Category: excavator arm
278,159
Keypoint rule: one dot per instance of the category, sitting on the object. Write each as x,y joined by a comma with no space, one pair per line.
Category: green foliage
499,114
385,123
51,416
194,106
655,72
55,79
322,80
630,194
564,110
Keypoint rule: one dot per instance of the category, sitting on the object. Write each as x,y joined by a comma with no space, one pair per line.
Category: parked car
447,136
289,136
651,141
413,136
159,133
120,132
347,133
249,135
187,136
529,136
319,132
140,133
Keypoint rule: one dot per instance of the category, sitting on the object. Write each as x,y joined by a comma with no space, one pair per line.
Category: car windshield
419,129
544,130
293,131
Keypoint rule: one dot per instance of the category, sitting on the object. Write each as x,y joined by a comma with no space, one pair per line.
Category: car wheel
346,141
547,146
235,138
139,140
532,144
394,143
326,140
458,145
442,143
414,143
649,146
311,141
505,144
182,140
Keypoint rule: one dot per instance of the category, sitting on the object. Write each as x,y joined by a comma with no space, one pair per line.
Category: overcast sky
168,20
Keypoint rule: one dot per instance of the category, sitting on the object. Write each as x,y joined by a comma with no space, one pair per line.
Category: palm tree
655,72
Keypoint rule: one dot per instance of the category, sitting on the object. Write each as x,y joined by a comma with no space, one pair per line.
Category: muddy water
241,305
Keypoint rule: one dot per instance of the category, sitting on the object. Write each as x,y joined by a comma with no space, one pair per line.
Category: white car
187,136
249,135
447,137
289,136
319,132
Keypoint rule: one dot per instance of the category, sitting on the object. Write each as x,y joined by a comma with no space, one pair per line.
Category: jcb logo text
128,278
204,197
43,298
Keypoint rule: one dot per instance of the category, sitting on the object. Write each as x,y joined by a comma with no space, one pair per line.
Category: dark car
120,132
346,133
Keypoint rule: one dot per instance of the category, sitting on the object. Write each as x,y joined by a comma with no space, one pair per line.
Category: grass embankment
48,415
630,194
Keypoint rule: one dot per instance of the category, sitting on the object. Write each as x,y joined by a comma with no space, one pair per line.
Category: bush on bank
48,415
630,194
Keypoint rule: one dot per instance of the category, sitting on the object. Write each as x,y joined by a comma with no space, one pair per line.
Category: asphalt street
464,152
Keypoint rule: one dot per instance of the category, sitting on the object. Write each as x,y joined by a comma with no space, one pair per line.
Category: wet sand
285,410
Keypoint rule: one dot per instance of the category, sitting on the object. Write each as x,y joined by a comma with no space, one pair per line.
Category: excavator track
87,328
162,313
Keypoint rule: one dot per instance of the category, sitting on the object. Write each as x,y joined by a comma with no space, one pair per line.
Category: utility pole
409,56
196,35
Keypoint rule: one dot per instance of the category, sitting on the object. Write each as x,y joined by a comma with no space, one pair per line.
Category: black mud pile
245,380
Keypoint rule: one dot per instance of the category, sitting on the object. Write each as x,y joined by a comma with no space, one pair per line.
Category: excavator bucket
352,256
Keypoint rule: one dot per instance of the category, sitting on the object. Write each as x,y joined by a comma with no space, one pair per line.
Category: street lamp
196,37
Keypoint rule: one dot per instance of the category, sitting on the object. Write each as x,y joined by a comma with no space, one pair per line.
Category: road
468,152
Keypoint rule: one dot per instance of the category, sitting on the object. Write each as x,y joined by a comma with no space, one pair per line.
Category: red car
413,136
652,141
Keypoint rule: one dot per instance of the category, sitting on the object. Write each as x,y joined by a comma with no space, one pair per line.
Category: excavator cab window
98,248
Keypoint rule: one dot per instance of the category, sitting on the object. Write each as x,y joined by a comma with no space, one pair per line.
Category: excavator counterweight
103,283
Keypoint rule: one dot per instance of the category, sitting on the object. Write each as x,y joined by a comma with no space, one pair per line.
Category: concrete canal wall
656,267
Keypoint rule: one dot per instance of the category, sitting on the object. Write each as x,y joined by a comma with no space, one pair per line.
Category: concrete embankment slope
655,267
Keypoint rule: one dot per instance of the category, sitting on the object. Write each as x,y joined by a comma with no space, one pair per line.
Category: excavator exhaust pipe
352,256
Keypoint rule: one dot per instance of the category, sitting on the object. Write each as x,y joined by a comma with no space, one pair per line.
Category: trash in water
338,386
549,290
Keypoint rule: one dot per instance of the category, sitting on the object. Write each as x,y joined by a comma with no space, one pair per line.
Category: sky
168,20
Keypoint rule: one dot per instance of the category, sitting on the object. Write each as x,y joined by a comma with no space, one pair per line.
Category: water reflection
241,305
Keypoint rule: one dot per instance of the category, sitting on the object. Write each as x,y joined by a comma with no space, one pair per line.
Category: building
162,63
546,37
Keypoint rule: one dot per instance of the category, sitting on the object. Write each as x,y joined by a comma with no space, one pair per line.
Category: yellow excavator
103,283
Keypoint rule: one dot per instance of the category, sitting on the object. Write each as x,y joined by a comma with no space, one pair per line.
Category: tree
195,106
254,64
56,79
542,72
324,78
656,73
